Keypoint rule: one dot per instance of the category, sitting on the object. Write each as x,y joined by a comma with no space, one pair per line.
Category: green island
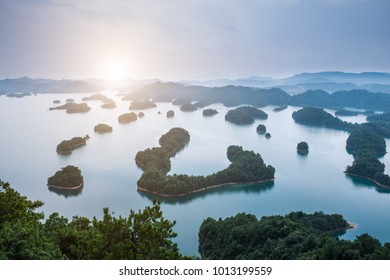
68,177
261,129
209,112
245,115
302,147
318,116
366,145
102,128
246,167
127,117
268,135
67,146
295,236
142,104
71,107
141,114
170,114
384,117
188,107
346,113
280,108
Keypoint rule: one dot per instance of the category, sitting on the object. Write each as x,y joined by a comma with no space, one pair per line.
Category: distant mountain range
328,81
25,86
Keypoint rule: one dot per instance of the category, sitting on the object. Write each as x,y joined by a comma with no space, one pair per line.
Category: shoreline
66,188
203,189
370,179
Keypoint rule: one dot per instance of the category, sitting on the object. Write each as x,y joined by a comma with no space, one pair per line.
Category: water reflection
256,188
66,193
366,183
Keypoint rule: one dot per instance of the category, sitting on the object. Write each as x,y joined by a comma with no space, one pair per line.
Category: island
366,146
141,114
56,101
170,114
108,104
245,115
209,112
261,129
294,236
280,108
268,135
67,146
303,148
188,107
68,177
319,117
385,117
142,104
180,101
70,100
346,113
127,117
102,128
71,107
246,167
96,97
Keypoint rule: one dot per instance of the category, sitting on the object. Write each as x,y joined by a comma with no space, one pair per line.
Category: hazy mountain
28,85
328,81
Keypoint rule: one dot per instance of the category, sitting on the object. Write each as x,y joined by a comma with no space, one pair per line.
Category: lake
29,134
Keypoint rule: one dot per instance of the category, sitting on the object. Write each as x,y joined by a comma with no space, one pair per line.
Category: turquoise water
29,134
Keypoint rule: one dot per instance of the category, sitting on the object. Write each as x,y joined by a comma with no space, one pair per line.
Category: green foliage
365,139
385,117
366,145
188,107
209,112
294,236
144,234
317,116
261,129
69,176
245,115
302,146
170,114
245,167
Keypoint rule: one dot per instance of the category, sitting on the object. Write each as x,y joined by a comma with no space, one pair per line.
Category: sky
191,39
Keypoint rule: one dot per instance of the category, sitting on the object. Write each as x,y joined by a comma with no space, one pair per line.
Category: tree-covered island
295,236
366,145
245,167
102,128
261,129
280,108
67,146
68,177
188,107
170,114
142,104
127,117
209,112
71,107
318,116
245,115
302,148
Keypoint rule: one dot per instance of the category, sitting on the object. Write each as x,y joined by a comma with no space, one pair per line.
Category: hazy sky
191,38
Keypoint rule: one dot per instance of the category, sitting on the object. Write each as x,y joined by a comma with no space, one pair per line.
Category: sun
115,71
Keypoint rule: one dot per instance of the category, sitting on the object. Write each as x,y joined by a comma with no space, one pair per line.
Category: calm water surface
29,134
